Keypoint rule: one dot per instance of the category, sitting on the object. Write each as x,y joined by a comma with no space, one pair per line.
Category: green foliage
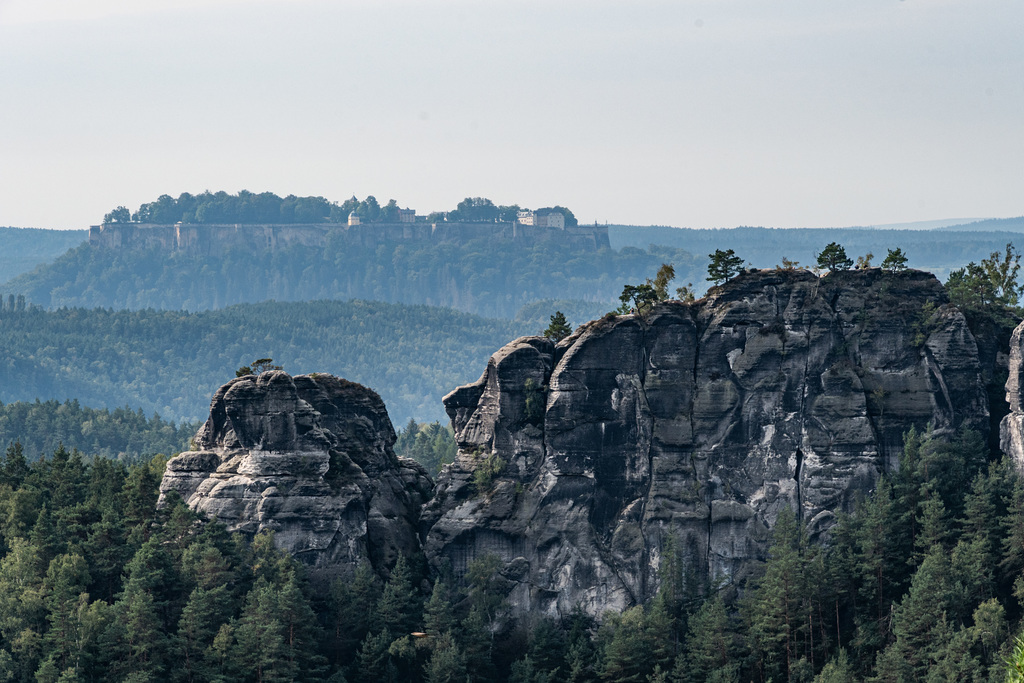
257,366
559,328
925,323
119,215
640,298
486,470
833,257
724,265
429,444
482,275
95,584
989,290
895,261
172,362
122,433
666,273
25,248
535,401
637,298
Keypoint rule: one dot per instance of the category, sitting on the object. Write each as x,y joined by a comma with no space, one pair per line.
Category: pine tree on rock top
833,258
559,328
724,266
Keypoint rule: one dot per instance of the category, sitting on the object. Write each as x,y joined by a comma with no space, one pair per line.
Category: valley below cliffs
684,429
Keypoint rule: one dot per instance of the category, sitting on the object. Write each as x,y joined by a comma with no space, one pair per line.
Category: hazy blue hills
22,249
171,362
990,225
938,251
488,277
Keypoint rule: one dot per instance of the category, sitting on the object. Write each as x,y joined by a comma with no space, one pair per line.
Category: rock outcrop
309,457
698,423
1011,429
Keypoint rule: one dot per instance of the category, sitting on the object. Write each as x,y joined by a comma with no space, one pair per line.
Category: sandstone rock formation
696,422
309,457
1011,430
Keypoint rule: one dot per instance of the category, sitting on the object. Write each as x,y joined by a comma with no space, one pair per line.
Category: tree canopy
833,257
895,261
724,265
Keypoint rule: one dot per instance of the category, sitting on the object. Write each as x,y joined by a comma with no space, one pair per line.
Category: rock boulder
309,457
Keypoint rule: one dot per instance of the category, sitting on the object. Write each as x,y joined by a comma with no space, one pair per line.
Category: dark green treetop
559,328
833,257
895,261
724,266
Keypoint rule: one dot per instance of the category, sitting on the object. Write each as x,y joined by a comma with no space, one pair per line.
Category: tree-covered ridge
171,362
939,252
482,276
120,434
269,208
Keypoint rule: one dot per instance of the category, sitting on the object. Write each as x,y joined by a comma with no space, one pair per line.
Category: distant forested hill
22,249
938,251
487,277
172,362
122,433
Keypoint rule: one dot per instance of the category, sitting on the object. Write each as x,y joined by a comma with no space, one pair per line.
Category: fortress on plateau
202,239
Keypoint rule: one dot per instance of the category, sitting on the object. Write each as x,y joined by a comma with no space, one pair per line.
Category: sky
719,113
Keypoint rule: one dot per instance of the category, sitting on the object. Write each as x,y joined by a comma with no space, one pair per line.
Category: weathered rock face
698,422
309,457
1011,429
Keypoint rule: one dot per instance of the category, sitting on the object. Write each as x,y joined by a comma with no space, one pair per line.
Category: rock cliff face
697,422
309,457
1011,429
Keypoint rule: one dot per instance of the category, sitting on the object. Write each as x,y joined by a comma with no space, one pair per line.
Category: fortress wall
204,239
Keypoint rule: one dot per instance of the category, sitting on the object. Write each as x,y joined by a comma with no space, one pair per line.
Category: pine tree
438,617
447,664
548,647
374,662
15,467
260,650
777,610
833,258
146,642
475,639
399,608
66,579
559,328
301,631
919,614
837,670
626,653
204,613
707,644
724,266
895,261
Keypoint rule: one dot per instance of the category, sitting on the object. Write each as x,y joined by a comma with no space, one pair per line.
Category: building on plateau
542,218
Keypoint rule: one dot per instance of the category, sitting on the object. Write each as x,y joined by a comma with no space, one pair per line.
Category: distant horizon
703,113
910,225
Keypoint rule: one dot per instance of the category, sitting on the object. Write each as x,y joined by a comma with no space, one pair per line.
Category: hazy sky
700,114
